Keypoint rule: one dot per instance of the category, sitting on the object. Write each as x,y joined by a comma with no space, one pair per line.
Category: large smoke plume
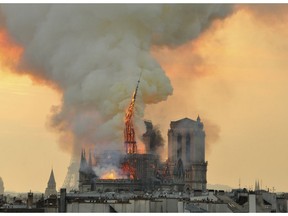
94,54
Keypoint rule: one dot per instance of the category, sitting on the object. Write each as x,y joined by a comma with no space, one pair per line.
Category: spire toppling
129,133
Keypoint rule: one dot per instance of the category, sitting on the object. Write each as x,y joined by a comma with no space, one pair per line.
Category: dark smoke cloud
156,143
94,55
2,19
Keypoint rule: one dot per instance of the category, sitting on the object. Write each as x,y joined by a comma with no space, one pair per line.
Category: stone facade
186,150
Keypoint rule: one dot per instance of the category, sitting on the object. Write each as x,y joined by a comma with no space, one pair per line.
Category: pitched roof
193,208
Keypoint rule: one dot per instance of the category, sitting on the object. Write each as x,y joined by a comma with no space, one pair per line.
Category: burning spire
129,133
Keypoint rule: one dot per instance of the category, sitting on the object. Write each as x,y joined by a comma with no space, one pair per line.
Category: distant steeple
83,162
81,155
198,118
86,173
51,185
52,182
84,154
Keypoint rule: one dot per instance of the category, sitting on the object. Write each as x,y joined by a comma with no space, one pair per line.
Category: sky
234,76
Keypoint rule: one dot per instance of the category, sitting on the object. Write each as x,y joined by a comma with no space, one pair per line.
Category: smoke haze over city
224,62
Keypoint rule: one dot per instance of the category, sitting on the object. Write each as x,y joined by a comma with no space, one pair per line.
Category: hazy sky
234,76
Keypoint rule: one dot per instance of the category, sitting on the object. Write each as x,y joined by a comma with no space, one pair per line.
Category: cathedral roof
185,122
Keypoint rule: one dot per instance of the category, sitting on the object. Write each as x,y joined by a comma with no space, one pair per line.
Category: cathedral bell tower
186,143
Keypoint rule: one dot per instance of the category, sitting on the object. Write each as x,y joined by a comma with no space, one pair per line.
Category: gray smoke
156,141
94,55
212,132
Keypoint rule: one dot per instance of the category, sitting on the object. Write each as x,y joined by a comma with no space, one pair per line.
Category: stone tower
51,186
186,150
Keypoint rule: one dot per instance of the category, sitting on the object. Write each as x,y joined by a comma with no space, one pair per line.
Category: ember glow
114,173
110,174
141,147
128,170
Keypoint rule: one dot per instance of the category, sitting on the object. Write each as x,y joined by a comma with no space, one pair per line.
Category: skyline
237,86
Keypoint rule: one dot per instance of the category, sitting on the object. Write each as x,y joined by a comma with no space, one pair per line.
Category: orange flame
111,174
128,170
141,148
129,133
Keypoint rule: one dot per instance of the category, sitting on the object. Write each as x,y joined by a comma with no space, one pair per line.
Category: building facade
186,152
86,173
185,169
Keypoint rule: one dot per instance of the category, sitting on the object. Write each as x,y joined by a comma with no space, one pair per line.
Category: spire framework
129,133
